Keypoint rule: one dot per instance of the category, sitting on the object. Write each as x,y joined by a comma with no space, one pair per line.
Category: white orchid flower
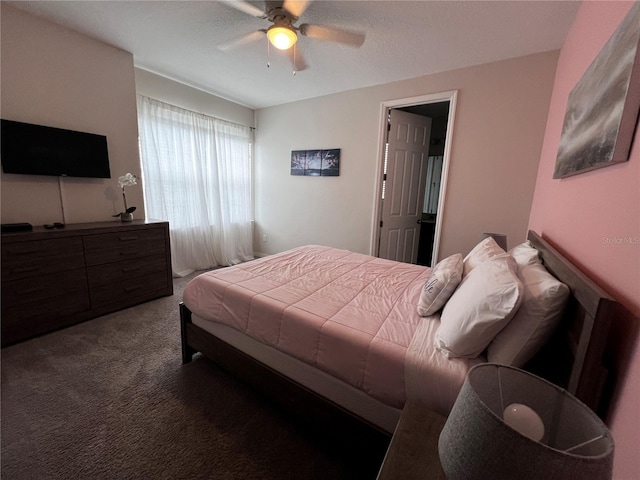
126,180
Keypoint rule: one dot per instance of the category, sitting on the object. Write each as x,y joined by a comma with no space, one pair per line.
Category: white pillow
525,254
486,249
482,305
544,299
442,282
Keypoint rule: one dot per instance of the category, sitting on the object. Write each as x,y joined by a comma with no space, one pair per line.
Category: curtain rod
194,112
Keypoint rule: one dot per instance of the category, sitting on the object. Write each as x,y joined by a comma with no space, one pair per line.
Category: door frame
451,97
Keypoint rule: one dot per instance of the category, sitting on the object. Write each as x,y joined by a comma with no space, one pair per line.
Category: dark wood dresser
59,277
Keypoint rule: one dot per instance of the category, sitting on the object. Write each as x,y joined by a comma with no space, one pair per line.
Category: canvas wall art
602,109
316,163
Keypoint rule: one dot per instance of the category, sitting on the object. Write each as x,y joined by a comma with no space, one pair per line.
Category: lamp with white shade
508,424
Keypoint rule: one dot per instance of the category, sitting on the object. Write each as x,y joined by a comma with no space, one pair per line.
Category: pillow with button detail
544,299
482,305
440,285
486,249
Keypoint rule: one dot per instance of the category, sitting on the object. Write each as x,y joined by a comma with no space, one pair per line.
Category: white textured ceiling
404,39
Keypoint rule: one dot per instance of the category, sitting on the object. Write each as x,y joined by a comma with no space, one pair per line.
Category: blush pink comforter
349,314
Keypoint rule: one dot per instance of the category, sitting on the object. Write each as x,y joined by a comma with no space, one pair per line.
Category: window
197,175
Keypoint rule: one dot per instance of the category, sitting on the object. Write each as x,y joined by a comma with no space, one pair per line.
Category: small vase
126,217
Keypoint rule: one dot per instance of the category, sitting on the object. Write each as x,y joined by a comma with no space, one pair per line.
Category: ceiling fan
283,33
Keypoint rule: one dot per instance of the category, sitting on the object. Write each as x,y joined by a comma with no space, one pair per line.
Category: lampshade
500,238
282,37
476,442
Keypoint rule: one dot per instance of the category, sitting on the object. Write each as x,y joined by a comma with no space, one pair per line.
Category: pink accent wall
594,218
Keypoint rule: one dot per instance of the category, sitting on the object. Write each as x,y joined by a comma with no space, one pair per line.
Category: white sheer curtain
197,175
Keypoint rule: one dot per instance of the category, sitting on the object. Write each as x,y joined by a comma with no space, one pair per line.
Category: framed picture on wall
330,162
298,162
602,109
316,163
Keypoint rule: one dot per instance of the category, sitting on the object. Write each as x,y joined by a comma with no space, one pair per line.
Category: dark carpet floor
110,398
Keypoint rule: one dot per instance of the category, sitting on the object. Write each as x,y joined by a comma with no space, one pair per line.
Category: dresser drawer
114,247
34,267
120,292
28,259
28,320
51,308
72,283
122,272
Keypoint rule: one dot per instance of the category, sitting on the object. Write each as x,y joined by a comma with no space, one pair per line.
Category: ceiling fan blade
296,7
297,59
333,34
237,42
245,7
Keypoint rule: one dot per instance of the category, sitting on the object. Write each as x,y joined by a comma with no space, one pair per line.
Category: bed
336,336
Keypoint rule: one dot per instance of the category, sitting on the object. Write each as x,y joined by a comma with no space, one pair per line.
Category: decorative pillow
482,305
525,254
544,299
486,249
440,285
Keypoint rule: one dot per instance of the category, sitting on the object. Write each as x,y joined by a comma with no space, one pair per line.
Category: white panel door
405,181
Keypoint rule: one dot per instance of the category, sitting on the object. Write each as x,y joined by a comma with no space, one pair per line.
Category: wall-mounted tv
38,150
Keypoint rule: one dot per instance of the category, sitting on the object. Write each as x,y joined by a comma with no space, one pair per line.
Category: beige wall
57,77
54,76
498,132
189,98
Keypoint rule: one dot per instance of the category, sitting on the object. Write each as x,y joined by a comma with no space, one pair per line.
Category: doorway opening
419,196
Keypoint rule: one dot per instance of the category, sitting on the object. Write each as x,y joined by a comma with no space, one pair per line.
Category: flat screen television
39,150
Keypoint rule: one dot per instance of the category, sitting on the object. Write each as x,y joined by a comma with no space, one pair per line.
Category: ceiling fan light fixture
282,37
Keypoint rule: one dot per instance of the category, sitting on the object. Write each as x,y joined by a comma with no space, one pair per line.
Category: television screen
38,150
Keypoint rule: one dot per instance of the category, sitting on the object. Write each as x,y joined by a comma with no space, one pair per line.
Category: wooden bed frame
573,359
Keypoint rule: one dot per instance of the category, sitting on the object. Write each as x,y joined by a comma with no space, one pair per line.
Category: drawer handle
130,269
25,269
31,291
131,289
27,252
124,238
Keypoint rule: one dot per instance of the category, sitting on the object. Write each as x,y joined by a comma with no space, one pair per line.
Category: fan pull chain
294,59
268,50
